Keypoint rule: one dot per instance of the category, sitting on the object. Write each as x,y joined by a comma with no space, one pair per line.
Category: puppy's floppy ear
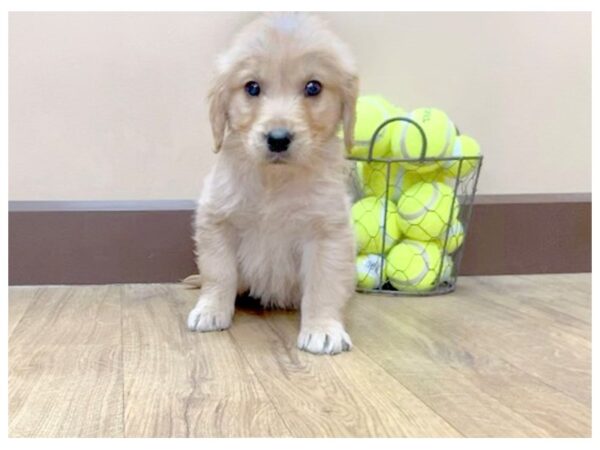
217,110
349,96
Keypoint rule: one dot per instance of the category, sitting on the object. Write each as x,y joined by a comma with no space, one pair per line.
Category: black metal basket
429,264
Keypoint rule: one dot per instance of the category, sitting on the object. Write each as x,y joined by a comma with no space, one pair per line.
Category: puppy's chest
271,237
276,215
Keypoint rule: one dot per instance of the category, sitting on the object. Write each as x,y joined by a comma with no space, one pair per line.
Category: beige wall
112,106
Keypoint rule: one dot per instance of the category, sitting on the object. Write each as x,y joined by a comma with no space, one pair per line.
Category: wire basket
416,252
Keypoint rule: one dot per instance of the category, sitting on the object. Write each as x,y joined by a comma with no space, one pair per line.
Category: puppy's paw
324,339
209,315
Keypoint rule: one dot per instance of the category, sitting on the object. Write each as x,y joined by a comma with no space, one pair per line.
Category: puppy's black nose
279,140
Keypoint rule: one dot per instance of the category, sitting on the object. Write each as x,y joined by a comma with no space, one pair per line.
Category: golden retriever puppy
273,218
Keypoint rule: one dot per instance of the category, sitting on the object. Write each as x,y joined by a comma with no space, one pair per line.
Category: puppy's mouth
277,158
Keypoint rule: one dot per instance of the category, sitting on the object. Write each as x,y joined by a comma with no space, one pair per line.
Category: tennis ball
372,179
370,271
414,265
456,236
367,220
407,143
463,146
426,209
371,111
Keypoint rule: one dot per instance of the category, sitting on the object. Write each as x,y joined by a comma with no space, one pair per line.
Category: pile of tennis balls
401,225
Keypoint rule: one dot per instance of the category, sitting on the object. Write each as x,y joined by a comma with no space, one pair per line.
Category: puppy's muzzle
279,140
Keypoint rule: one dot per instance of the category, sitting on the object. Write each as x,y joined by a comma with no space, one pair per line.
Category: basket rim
413,160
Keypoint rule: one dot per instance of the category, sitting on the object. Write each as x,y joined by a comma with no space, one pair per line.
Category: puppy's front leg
328,283
218,271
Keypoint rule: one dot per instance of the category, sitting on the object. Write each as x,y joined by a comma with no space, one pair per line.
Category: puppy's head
282,90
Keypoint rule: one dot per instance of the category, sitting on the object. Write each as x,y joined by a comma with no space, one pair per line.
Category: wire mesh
411,218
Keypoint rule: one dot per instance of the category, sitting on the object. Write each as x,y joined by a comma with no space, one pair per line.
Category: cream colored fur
279,228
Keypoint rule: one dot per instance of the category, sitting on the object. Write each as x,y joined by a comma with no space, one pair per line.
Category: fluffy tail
192,281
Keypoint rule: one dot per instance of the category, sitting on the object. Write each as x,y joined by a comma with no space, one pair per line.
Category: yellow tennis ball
367,220
407,143
370,271
426,209
463,146
414,265
456,236
371,111
372,177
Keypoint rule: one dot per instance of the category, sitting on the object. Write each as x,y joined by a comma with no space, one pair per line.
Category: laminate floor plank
65,371
329,396
540,346
184,384
530,397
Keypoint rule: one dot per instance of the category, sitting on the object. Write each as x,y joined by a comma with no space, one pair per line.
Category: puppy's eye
312,88
252,88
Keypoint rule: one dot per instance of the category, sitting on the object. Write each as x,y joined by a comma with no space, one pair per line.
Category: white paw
209,315
324,339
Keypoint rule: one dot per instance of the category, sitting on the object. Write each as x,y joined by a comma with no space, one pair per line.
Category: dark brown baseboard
149,242
529,235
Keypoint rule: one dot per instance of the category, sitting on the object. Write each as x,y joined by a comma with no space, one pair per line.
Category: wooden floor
503,356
